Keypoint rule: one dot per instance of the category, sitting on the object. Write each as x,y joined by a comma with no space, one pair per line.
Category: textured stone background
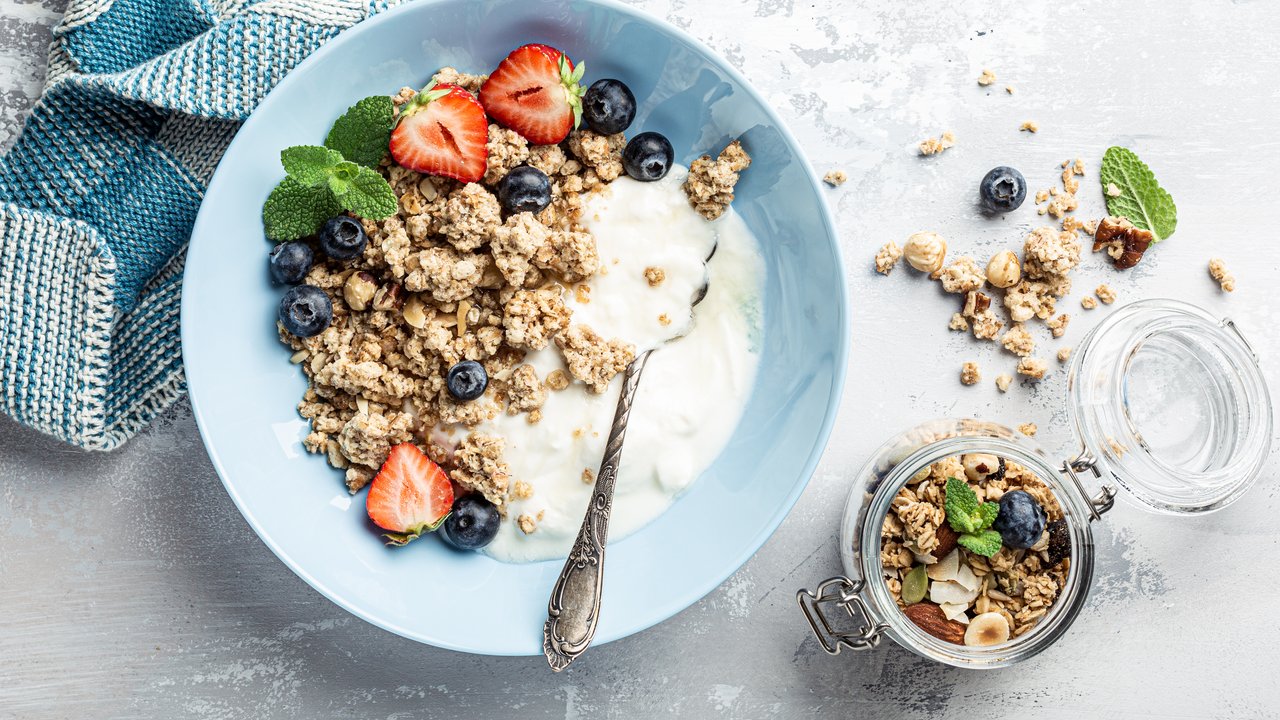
130,586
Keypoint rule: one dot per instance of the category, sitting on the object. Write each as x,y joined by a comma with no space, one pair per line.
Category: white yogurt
693,390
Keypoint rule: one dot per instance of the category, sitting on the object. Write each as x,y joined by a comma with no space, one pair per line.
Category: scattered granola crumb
1058,325
958,323
969,374
1030,126
582,293
835,178
1088,302
527,523
1003,381
1041,196
655,276
1008,89
1018,341
591,358
588,476
986,78
933,146
521,490
1064,354
1113,190
710,183
534,417
1218,271
963,275
664,319
1028,429
1105,294
887,257
1034,368
557,380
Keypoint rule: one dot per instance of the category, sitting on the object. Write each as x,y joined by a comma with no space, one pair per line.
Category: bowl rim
692,593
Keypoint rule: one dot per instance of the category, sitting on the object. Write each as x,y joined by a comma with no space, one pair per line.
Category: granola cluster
1019,584
710,183
449,278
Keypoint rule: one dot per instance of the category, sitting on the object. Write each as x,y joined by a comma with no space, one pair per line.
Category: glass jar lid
1171,403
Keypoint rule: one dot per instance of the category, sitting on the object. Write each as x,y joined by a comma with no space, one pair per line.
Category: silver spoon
574,609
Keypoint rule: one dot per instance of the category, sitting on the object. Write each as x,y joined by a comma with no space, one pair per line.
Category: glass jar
1171,411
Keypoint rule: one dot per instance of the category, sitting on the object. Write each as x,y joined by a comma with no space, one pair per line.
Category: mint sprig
321,181
1141,199
971,518
363,132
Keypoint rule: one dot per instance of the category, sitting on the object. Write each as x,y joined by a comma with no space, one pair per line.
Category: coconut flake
946,568
956,611
951,591
965,577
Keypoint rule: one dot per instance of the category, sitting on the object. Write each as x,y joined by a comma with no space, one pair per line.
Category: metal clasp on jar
843,593
1106,497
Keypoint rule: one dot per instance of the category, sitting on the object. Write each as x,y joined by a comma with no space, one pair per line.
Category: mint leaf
963,509
309,164
1141,199
363,132
987,514
368,195
985,543
293,210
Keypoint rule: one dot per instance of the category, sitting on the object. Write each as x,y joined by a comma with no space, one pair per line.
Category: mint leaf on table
985,543
293,210
369,196
971,518
309,164
363,132
1141,199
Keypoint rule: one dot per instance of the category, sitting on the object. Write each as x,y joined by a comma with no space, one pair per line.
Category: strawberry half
535,91
409,496
442,131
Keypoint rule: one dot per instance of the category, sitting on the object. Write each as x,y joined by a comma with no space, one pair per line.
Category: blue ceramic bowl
244,390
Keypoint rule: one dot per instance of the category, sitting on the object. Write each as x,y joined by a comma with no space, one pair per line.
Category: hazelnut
979,467
415,312
388,297
359,290
1004,271
925,251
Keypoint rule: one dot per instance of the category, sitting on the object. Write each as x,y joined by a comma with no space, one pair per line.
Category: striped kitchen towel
98,196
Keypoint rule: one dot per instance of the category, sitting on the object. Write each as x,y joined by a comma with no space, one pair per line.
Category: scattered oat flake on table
1028,429
1008,89
1219,272
969,374
835,178
1034,368
1105,294
1064,354
887,257
933,146
1003,381
1030,126
1088,302
986,78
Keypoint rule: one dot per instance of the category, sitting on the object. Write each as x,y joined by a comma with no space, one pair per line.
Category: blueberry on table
648,157
472,524
1003,189
467,380
343,238
290,262
305,311
608,107
1021,520
524,189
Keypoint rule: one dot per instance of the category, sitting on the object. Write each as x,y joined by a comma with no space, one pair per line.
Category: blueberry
608,107
305,310
1021,520
1002,190
472,524
648,157
524,189
467,380
343,238
290,262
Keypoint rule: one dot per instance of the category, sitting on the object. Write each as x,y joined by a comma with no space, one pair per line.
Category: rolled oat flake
1171,411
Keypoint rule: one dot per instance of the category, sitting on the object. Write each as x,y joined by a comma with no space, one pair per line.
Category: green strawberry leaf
368,195
309,164
363,133
985,543
294,210
1141,199
401,539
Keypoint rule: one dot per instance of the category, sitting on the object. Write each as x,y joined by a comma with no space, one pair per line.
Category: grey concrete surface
131,588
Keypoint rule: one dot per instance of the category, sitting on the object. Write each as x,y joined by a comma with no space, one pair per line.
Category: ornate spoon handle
574,608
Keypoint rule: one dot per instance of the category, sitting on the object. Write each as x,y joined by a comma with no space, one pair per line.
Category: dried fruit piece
915,585
1059,542
931,619
987,629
